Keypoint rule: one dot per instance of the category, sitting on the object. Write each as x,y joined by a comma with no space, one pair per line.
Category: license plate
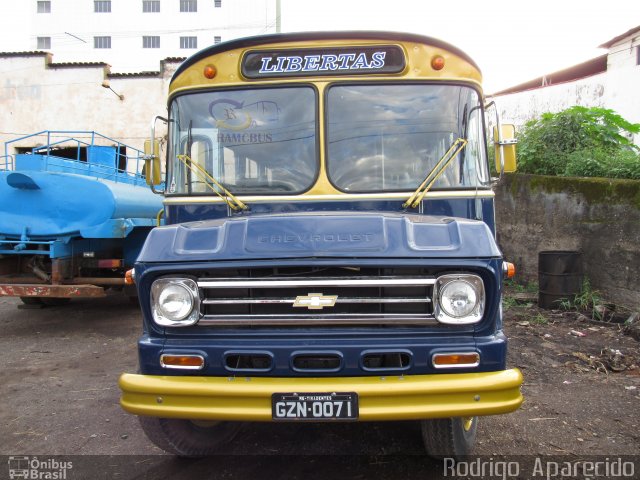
316,407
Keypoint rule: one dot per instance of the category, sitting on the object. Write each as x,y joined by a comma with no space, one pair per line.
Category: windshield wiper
417,196
216,187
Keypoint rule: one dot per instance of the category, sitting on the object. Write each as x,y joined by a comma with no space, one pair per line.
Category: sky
512,41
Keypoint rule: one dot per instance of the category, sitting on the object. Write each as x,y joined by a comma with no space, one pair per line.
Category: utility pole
278,23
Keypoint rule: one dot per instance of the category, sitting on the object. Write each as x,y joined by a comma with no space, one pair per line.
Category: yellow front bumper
380,398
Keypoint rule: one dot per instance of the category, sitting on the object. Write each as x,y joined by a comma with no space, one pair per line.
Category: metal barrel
560,277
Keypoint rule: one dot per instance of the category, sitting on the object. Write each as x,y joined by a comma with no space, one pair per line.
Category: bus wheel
187,438
449,437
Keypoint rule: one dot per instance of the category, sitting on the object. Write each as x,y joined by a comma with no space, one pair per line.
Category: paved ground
60,397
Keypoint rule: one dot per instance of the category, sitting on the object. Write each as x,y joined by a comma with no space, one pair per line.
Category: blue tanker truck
74,213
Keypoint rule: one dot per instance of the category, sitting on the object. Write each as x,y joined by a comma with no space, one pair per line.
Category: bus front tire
449,437
186,438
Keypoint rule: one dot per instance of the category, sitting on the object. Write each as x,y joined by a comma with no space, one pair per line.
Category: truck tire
46,301
186,438
31,300
449,437
54,302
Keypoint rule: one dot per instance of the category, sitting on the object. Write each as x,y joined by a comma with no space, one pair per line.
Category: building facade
129,35
105,65
610,81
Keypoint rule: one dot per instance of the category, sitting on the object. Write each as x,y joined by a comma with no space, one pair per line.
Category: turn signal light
185,362
129,277
456,360
509,269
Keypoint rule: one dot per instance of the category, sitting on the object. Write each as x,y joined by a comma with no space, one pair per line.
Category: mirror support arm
500,142
152,156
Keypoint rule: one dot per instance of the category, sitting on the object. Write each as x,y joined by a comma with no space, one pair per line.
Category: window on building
218,3
217,40
101,42
151,41
150,6
44,7
188,5
44,43
102,6
188,42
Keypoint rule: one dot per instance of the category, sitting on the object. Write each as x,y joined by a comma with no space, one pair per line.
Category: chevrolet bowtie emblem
315,301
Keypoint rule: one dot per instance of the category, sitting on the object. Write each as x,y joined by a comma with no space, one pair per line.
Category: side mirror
505,148
152,169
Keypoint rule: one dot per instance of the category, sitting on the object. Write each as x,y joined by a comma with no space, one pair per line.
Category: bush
603,163
579,141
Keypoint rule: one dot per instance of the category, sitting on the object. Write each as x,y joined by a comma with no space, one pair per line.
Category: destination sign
324,61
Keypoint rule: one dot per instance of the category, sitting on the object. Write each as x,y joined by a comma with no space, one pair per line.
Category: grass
539,319
530,287
511,287
586,301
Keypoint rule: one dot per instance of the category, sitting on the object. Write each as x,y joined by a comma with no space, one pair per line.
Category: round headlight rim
190,286
450,284
476,314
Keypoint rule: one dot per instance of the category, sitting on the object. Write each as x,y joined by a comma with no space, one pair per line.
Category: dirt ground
60,397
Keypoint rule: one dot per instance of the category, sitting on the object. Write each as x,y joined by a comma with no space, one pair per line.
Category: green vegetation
582,142
513,288
586,301
539,319
530,287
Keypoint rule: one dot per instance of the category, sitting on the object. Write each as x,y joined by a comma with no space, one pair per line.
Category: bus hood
320,235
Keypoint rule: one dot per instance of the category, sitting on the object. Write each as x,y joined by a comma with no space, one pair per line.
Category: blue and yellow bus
329,252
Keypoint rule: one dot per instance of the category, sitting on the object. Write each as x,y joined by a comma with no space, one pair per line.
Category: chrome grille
317,300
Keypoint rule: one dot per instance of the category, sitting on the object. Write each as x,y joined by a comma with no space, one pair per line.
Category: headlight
175,302
459,299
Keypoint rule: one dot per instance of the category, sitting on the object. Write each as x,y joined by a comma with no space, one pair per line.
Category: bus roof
315,36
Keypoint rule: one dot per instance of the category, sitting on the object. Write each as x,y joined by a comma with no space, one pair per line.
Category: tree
580,141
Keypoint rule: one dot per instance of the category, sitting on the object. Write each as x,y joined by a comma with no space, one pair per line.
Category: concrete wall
36,95
599,217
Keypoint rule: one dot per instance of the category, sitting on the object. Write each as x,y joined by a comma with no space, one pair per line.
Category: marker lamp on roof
210,72
437,62
459,299
175,302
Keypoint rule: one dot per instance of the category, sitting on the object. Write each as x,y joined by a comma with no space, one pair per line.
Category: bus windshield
253,141
384,137
380,137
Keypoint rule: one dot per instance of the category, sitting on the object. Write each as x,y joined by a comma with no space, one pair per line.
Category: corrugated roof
36,53
583,70
50,64
133,74
77,64
615,40
147,73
